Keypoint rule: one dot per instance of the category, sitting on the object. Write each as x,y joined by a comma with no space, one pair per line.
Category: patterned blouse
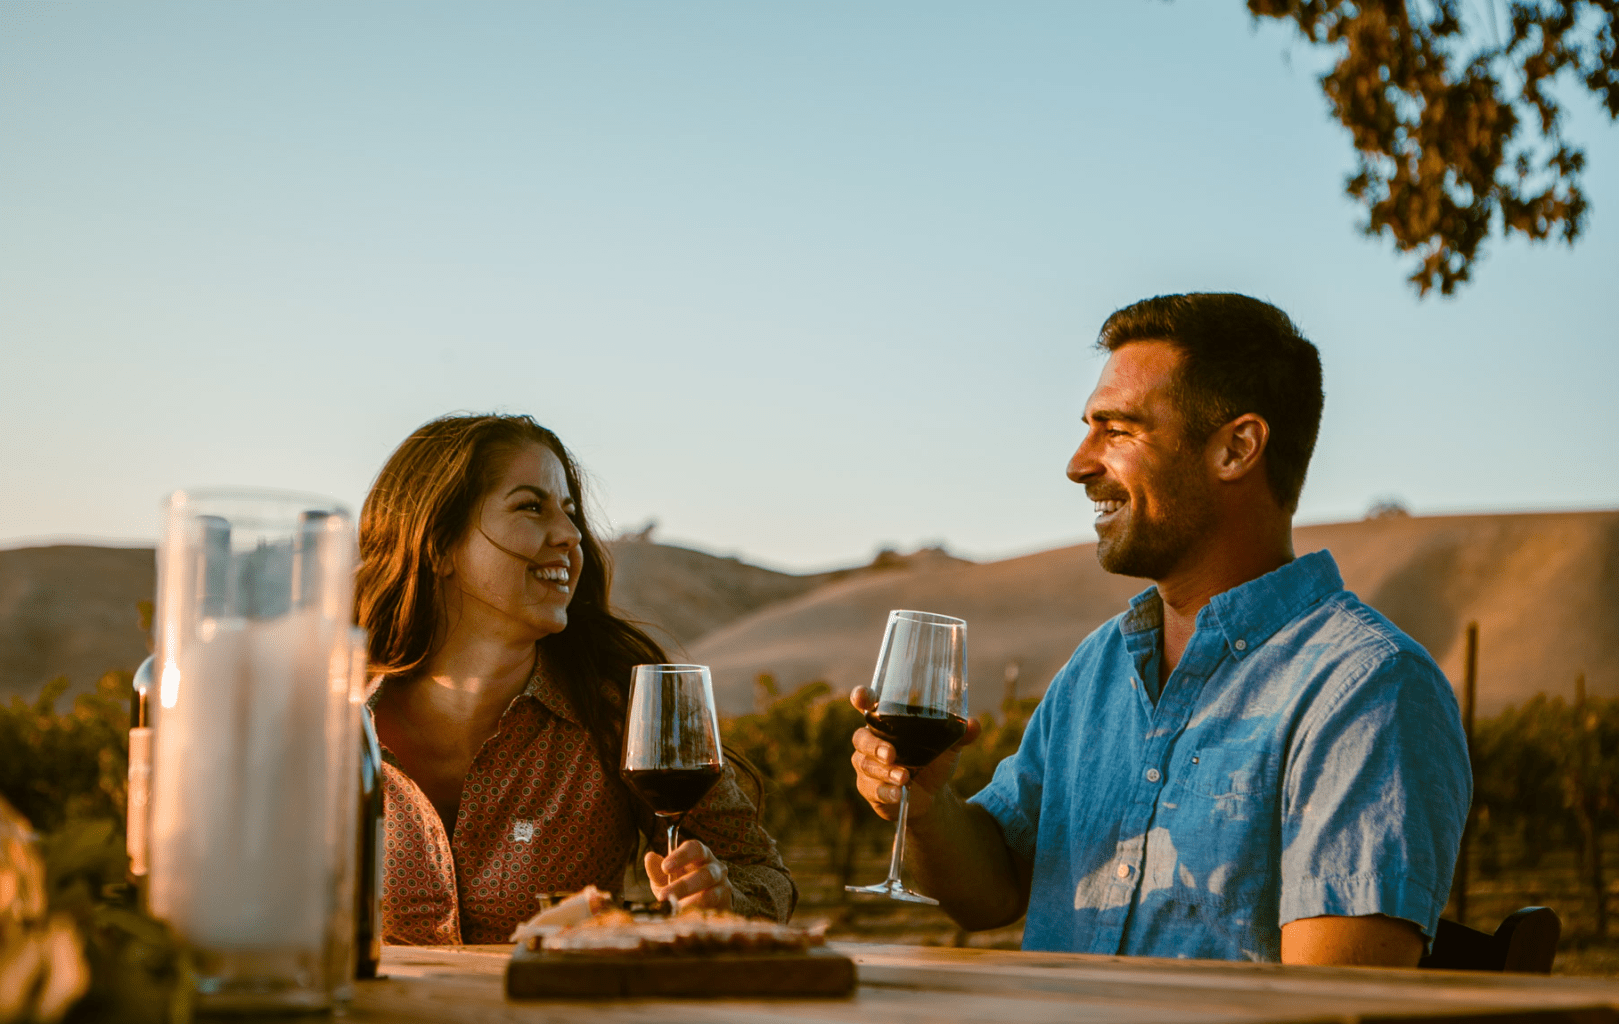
539,815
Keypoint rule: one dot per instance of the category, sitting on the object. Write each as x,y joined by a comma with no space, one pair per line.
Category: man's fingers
975,726
862,698
873,745
878,771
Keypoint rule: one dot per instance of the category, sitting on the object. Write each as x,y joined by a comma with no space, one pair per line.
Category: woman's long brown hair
420,507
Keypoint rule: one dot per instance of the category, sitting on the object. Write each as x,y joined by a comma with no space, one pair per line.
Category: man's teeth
1107,507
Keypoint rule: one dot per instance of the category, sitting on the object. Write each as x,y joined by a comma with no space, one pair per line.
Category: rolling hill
1544,589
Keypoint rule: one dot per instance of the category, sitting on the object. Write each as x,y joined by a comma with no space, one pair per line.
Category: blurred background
812,291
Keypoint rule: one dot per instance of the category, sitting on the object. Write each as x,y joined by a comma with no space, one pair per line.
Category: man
1249,763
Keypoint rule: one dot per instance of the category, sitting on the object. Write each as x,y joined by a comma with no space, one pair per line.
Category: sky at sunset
796,280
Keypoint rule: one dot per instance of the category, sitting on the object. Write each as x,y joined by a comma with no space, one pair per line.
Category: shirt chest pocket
1233,783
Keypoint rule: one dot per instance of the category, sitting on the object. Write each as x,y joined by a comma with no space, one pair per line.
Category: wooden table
914,984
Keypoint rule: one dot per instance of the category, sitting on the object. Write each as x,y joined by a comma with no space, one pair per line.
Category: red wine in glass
671,792
921,689
919,734
672,753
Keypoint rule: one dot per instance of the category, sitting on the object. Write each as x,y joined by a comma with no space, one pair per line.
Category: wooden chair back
1526,943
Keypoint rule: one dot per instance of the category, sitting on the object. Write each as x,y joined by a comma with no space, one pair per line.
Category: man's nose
1082,465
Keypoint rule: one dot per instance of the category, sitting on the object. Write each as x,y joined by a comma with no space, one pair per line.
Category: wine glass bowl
921,688
672,751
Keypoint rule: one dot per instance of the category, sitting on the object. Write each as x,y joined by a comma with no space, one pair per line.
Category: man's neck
1219,565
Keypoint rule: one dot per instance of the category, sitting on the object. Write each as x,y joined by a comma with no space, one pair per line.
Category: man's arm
1375,802
1371,941
956,848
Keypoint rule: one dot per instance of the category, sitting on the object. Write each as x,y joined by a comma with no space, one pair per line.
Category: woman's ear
443,565
1237,446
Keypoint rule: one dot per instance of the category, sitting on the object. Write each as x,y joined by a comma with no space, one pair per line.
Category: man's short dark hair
1241,355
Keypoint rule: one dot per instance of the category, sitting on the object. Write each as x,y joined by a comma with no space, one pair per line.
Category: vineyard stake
1469,699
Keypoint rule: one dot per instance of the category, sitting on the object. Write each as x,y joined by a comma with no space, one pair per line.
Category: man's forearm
960,859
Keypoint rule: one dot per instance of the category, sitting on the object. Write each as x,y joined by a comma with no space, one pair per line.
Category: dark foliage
1455,125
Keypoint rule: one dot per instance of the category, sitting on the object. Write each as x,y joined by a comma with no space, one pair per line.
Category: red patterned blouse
539,815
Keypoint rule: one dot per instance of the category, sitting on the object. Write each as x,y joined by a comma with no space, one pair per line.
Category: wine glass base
894,891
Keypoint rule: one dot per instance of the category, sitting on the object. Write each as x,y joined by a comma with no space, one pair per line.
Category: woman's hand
691,875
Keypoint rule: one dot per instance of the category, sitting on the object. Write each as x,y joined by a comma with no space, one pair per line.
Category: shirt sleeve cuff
1016,829
759,890
1360,896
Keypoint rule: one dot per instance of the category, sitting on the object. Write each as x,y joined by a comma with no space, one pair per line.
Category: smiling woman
499,678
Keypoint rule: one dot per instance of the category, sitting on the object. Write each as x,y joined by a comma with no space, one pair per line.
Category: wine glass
672,752
921,688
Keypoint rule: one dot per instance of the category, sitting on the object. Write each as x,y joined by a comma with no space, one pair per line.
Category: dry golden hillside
69,610
1544,589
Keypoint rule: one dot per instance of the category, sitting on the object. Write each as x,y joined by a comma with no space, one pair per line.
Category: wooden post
1469,700
1586,808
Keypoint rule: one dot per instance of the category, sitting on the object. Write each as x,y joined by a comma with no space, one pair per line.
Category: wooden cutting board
817,972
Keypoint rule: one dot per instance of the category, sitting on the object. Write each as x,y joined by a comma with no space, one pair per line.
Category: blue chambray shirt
1305,758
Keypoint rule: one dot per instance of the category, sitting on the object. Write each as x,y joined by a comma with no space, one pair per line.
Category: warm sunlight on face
519,563
1148,481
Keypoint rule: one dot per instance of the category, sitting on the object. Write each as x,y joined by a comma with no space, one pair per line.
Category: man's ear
1235,449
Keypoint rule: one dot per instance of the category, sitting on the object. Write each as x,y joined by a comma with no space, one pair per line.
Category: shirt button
1152,775
1123,871
1241,645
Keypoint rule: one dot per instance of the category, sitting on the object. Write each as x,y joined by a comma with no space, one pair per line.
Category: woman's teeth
553,574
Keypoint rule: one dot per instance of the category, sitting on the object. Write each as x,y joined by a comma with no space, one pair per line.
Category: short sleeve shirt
540,815
1305,758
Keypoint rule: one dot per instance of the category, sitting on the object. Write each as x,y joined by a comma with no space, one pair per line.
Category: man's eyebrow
538,492
1114,416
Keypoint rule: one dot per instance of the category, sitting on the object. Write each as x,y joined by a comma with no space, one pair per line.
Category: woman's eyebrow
539,492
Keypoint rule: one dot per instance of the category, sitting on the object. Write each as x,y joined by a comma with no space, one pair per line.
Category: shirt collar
544,687
1252,613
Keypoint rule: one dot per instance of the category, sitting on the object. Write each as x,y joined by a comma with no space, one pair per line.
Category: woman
501,702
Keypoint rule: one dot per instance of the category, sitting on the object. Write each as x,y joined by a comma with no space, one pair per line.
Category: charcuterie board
817,971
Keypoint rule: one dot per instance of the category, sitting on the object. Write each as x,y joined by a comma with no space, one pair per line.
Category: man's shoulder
1343,621
1350,639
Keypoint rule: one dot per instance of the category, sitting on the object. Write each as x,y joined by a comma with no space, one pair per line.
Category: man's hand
880,778
1372,941
691,875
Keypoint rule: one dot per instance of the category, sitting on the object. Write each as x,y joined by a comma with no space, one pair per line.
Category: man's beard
1152,550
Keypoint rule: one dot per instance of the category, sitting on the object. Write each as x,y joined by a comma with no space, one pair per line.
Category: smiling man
1249,762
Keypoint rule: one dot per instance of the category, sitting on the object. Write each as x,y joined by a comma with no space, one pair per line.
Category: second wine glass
921,689
672,753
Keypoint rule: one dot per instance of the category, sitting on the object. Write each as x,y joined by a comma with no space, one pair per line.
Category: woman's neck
470,681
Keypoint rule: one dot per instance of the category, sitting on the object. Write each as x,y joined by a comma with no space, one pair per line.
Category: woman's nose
564,532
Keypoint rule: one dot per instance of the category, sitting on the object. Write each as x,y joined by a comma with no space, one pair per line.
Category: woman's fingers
692,876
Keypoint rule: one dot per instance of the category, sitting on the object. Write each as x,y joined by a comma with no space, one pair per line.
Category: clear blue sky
798,280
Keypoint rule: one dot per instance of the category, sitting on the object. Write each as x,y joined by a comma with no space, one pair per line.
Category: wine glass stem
673,838
899,838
